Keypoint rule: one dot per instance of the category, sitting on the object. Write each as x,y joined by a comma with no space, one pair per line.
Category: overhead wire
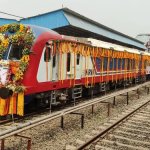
11,15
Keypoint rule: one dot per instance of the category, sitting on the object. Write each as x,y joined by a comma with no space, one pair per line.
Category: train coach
40,66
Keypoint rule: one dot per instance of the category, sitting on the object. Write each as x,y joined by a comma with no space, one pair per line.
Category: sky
130,17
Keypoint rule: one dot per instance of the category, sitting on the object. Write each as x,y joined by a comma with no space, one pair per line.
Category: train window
140,64
15,52
132,64
54,61
115,63
105,63
78,59
128,64
145,64
47,54
98,64
111,64
123,64
119,63
68,61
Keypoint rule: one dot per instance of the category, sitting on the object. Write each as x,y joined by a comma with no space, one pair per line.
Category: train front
15,47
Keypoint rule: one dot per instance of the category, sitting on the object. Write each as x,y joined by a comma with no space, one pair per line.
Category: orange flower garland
20,35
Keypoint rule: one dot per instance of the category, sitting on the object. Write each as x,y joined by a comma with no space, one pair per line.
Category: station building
71,23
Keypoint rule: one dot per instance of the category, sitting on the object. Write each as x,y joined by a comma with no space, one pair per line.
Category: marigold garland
20,35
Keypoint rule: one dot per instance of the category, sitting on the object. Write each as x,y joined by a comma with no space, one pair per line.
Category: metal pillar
91,92
92,109
108,110
50,104
82,118
29,141
138,93
2,144
127,98
114,101
108,105
147,90
74,101
82,121
92,98
62,122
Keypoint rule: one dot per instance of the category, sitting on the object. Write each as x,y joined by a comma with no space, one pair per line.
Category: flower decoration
3,44
20,35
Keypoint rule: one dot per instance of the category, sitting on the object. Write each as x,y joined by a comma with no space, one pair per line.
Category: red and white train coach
45,67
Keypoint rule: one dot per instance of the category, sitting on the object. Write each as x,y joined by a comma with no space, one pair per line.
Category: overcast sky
130,17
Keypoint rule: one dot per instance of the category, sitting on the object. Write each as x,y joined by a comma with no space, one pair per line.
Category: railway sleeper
145,112
141,120
132,135
99,147
135,126
95,132
141,117
119,145
70,147
131,130
139,123
144,115
130,141
87,136
79,142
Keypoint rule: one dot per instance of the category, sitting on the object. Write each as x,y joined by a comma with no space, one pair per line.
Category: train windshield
14,52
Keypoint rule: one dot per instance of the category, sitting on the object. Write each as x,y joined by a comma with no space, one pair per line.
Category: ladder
77,92
136,80
53,98
126,83
130,81
102,87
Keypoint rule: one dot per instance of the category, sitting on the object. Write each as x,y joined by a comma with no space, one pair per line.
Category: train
41,67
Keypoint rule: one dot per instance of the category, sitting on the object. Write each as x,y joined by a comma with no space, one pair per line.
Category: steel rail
3,122
110,127
42,120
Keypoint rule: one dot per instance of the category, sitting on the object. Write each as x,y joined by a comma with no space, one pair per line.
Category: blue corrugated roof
68,21
87,24
51,20
6,21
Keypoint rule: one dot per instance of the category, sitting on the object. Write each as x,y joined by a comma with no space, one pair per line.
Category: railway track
10,129
45,110
128,131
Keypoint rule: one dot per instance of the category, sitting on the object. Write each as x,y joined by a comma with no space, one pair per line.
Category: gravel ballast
50,136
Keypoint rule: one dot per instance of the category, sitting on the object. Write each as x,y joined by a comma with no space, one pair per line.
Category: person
148,45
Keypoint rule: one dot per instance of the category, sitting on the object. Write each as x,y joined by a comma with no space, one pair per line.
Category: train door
44,70
74,66
48,66
78,66
54,67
